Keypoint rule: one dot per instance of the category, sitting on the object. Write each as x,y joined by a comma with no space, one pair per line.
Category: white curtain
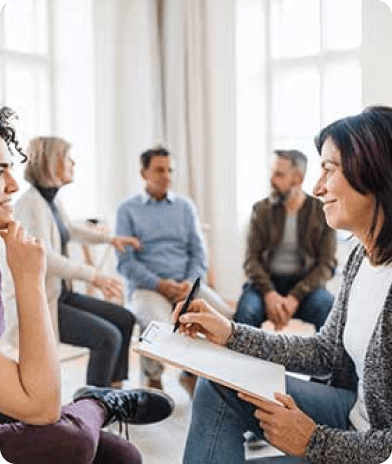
165,74
185,94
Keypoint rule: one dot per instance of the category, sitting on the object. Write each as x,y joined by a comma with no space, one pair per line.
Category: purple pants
76,438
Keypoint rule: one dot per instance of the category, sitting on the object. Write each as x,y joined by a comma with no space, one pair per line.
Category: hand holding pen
187,302
201,318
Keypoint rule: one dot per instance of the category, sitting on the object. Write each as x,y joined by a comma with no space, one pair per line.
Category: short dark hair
296,157
7,131
146,156
365,145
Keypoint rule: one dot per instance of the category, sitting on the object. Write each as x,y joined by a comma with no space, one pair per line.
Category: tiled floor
160,443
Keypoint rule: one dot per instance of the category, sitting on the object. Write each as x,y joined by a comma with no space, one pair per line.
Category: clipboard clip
150,333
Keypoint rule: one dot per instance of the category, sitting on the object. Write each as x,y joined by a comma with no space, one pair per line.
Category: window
303,72
47,77
25,67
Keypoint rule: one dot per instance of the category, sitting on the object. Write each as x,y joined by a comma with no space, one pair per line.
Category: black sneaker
137,406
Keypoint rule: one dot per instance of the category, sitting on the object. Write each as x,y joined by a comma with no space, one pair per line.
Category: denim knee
250,308
316,307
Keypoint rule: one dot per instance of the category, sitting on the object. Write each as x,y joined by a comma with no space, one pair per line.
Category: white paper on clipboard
201,357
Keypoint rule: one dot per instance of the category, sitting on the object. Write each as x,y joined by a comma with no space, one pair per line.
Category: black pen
189,298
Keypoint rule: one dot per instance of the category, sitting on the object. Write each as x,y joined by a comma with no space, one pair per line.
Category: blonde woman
80,320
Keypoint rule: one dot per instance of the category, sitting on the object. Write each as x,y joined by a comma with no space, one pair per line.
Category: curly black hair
7,131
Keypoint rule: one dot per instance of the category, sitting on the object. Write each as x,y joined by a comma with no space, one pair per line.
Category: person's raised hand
120,243
25,254
201,318
285,426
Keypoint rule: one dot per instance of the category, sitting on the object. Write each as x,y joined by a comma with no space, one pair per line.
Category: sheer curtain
165,74
185,99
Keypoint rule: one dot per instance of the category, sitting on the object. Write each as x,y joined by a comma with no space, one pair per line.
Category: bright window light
343,24
307,55
28,94
31,34
342,90
295,28
296,102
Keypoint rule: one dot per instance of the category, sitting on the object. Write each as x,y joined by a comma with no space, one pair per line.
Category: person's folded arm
310,355
329,445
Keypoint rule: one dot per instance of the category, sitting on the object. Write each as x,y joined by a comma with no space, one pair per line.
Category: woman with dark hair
81,320
349,420
34,429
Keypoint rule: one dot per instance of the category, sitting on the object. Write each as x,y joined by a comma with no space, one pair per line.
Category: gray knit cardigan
324,353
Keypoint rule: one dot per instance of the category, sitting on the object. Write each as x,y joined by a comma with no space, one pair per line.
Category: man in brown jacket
290,252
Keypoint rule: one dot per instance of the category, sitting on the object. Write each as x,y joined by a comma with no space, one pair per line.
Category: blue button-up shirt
172,241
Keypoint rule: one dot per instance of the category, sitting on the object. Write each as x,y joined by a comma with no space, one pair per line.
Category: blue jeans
314,308
220,419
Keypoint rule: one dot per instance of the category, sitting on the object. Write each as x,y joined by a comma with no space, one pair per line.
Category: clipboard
201,357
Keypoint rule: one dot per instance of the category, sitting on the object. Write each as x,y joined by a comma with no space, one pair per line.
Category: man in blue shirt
172,252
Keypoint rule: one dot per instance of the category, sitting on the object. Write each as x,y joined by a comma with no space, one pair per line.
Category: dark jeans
105,328
76,438
314,308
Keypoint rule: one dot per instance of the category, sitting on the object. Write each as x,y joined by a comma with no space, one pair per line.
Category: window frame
270,68
320,61
35,60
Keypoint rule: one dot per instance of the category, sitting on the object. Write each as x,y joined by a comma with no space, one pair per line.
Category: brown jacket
316,240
